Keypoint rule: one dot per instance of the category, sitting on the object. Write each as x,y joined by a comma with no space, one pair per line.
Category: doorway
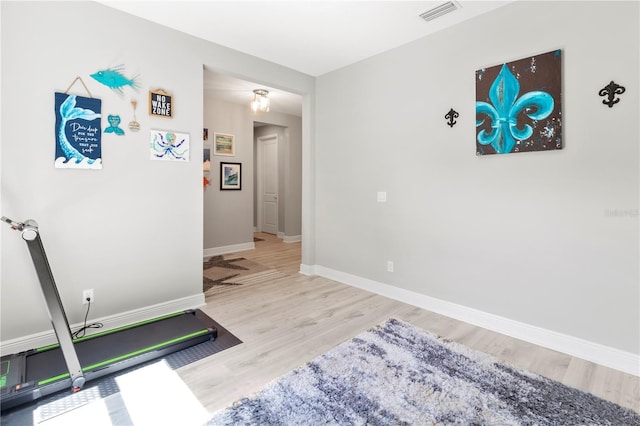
267,184
230,217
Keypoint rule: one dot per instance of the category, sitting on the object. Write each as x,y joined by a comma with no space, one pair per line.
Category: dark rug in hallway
220,271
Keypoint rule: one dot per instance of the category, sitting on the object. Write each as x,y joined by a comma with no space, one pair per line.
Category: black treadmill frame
20,391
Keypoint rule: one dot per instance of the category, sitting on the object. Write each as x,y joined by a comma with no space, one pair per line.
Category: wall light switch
382,197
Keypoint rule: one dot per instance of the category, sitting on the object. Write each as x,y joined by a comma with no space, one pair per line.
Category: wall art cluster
223,144
519,105
79,121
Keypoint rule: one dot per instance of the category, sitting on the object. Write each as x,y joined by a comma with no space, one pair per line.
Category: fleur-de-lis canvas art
519,105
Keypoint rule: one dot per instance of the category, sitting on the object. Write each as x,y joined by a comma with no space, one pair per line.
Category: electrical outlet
87,294
389,266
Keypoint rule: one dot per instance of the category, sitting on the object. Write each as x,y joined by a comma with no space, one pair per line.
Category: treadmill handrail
31,235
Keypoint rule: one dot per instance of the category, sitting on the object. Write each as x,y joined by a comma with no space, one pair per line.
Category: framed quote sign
160,104
78,132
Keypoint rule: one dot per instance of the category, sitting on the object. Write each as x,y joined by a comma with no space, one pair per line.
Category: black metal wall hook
610,91
451,116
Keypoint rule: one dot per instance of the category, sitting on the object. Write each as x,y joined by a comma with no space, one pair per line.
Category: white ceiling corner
313,37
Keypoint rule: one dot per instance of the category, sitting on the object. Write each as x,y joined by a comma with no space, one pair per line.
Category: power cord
82,331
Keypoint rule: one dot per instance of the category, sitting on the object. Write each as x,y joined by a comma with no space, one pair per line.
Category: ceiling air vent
438,11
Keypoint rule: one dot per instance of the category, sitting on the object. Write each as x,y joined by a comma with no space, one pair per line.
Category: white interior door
268,183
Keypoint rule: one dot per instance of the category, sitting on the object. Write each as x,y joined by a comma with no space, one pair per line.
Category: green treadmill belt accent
4,370
46,348
124,327
129,355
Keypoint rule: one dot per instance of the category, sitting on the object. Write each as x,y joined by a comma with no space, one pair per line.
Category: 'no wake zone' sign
160,103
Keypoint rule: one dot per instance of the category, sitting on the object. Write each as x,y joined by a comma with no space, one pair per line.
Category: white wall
229,215
132,231
527,237
531,237
289,131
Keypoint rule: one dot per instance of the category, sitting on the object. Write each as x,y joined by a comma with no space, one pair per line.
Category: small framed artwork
160,104
169,145
230,176
224,144
206,160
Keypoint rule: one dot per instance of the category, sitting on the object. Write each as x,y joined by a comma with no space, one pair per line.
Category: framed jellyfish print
519,105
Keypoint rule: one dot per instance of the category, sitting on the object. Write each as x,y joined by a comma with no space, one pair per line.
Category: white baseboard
289,238
308,269
217,251
584,349
110,322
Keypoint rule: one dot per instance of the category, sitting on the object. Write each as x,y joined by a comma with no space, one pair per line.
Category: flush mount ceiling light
260,101
438,11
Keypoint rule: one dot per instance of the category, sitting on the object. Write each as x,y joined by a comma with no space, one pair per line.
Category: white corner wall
127,231
546,240
133,231
228,215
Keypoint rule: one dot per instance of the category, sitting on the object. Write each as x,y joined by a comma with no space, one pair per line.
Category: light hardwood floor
291,318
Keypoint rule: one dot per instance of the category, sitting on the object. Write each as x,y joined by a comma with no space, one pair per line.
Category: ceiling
312,37
234,90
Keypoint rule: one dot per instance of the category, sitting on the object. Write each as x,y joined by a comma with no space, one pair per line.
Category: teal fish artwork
115,80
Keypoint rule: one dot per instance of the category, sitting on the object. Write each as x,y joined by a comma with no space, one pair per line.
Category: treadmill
32,374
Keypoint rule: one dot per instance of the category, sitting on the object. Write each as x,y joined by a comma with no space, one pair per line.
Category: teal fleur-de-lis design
503,114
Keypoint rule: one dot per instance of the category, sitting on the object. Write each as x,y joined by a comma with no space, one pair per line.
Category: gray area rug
397,374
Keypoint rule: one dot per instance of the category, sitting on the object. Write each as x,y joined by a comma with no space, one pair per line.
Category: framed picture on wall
206,159
230,176
224,144
519,105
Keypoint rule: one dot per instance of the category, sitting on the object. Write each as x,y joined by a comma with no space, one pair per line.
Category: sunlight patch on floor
156,395
96,411
152,395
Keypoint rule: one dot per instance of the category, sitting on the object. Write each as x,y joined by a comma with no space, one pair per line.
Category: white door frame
260,180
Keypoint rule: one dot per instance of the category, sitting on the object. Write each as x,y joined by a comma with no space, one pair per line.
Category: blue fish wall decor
115,80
